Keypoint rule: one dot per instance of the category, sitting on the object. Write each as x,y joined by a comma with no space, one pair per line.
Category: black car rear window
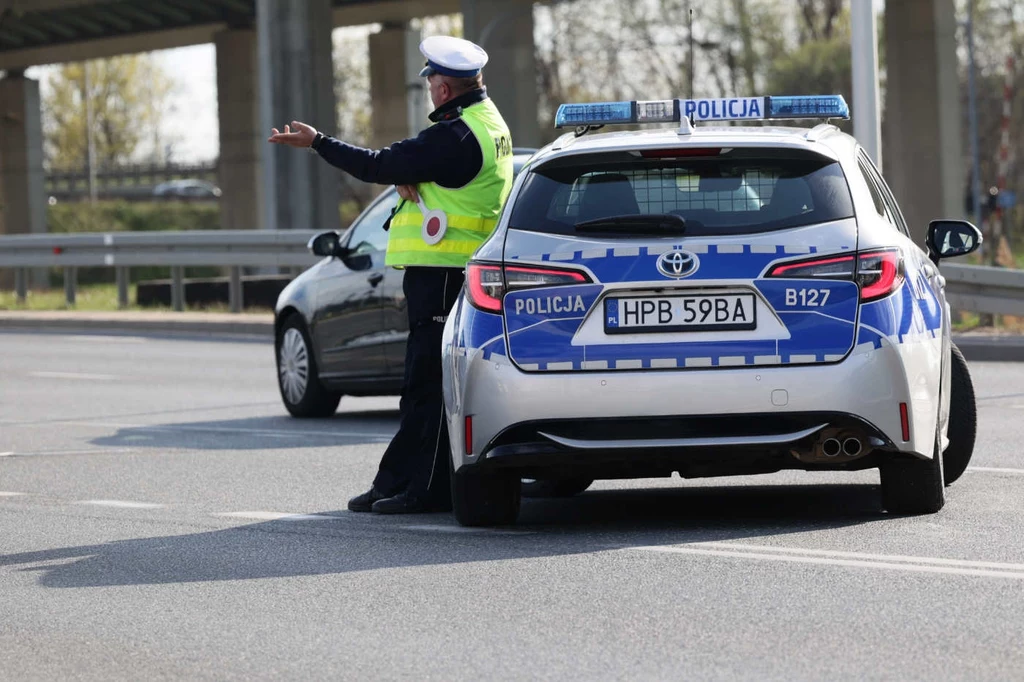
743,193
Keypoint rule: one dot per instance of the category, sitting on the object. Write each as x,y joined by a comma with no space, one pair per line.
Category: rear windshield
715,196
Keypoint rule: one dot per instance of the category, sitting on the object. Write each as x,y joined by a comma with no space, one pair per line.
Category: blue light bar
813,106
597,113
721,109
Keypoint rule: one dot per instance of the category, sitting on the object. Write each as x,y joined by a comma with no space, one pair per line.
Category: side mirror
326,244
949,238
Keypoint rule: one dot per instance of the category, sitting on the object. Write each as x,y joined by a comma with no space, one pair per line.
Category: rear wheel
914,486
963,419
301,391
555,487
484,499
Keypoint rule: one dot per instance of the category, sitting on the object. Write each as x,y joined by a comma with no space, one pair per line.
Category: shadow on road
344,428
596,521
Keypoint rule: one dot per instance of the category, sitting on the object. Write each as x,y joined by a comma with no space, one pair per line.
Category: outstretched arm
445,154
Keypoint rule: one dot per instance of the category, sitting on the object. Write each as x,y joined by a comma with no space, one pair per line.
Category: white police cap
453,57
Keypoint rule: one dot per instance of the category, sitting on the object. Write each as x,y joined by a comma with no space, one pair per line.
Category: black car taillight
877,273
487,283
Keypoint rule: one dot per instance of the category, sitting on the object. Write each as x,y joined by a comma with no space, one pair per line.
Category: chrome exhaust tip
852,447
831,447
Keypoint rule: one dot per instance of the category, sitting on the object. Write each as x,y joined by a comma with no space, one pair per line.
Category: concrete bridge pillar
505,29
296,82
397,93
242,140
923,158
22,190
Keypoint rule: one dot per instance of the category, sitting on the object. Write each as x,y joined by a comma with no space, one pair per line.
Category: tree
129,95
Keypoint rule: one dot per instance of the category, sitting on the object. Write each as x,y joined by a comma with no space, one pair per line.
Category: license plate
690,313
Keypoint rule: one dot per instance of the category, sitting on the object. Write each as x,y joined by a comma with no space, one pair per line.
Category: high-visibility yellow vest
471,211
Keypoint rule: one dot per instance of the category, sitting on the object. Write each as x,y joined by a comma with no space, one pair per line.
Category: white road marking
275,516
124,504
4,493
227,429
108,339
996,470
47,453
75,376
438,528
918,564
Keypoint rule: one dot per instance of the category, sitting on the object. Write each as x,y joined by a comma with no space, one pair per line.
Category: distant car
340,326
188,188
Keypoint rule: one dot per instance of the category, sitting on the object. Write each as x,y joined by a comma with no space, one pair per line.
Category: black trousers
417,457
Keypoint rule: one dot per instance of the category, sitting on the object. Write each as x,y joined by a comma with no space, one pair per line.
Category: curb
991,347
975,347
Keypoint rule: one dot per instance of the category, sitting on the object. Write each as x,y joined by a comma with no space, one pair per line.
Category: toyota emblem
678,264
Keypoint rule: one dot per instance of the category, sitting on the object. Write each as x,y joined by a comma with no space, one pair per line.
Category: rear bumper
694,446
514,414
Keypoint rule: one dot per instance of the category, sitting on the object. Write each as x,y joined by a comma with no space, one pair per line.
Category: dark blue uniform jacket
446,153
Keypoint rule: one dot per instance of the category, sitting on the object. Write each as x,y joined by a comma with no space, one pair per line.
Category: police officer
453,178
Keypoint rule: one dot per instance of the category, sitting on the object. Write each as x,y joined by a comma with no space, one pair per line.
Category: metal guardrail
122,250
968,287
984,289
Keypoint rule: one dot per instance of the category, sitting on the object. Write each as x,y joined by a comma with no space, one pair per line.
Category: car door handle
375,278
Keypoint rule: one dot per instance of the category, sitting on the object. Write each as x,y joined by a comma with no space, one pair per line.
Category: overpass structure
274,65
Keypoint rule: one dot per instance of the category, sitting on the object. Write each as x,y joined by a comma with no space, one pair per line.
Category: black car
340,327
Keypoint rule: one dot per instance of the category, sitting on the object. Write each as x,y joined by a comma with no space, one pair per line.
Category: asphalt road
161,517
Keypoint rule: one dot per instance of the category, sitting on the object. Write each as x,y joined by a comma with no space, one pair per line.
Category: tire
484,499
963,419
555,487
914,486
297,377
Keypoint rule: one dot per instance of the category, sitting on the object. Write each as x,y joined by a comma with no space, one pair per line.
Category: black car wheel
914,486
963,419
297,378
484,499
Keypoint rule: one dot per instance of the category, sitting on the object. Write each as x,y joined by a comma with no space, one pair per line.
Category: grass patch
96,298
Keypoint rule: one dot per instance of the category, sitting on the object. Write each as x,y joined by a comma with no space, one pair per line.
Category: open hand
408,192
301,136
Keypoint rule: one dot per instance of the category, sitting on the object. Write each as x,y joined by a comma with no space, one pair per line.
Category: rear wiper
657,223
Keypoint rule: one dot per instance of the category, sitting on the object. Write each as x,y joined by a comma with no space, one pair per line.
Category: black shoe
402,503
364,502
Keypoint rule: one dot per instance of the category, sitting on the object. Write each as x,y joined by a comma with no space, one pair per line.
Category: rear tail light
487,283
485,286
877,273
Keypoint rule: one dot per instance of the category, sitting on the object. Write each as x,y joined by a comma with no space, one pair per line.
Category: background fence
974,288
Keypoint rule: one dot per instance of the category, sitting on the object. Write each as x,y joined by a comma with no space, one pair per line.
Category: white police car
704,300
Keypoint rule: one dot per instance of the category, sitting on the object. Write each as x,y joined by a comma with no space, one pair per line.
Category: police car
704,300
